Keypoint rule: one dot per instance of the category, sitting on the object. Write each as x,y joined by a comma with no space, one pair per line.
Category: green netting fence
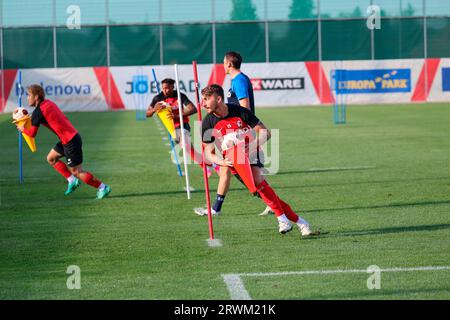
257,41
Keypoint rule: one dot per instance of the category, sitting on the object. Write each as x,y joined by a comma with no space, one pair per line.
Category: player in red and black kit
49,115
240,93
224,119
169,95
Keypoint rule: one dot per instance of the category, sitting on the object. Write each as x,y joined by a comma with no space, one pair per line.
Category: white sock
102,186
71,179
283,218
302,221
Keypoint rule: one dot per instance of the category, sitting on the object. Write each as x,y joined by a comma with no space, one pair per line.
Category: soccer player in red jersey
49,115
225,119
240,93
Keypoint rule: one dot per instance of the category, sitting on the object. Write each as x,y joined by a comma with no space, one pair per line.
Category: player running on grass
49,115
224,119
168,95
240,93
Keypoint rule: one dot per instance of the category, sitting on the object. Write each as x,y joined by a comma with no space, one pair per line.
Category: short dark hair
213,89
37,90
235,58
168,81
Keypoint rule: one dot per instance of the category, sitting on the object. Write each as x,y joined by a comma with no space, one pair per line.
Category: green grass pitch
380,185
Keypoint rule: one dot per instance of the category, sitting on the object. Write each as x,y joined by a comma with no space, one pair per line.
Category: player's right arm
154,106
208,140
211,156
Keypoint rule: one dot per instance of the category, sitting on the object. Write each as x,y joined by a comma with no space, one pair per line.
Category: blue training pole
172,145
20,133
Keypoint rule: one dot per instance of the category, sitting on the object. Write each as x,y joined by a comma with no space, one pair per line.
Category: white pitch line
306,272
236,287
238,292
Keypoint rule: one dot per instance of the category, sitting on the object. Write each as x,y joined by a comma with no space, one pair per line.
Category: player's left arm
245,103
31,131
36,118
189,109
262,132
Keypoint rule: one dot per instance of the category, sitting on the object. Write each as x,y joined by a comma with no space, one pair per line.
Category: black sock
218,204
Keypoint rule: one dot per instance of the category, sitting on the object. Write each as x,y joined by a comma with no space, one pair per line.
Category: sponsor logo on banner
445,79
371,81
259,84
61,90
141,84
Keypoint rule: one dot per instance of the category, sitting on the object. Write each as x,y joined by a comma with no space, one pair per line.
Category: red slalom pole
205,176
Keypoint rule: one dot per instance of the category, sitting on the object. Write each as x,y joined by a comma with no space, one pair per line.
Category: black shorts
258,161
186,127
72,151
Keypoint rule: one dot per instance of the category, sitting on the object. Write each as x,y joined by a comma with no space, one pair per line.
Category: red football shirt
239,121
49,115
173,102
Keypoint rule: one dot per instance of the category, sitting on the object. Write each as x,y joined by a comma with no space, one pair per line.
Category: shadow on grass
360,183
384,206
148,194
317,170
379,231
169,192
400,229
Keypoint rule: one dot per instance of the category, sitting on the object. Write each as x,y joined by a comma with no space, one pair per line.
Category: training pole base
214,243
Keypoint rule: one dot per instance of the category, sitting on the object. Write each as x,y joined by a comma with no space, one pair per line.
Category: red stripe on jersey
114,100
8,76
319,80
421,91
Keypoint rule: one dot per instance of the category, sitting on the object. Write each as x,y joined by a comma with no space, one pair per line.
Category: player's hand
20,128
227,162
159,106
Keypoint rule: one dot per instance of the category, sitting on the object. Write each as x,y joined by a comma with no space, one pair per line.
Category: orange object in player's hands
241,164
166,116
26,123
